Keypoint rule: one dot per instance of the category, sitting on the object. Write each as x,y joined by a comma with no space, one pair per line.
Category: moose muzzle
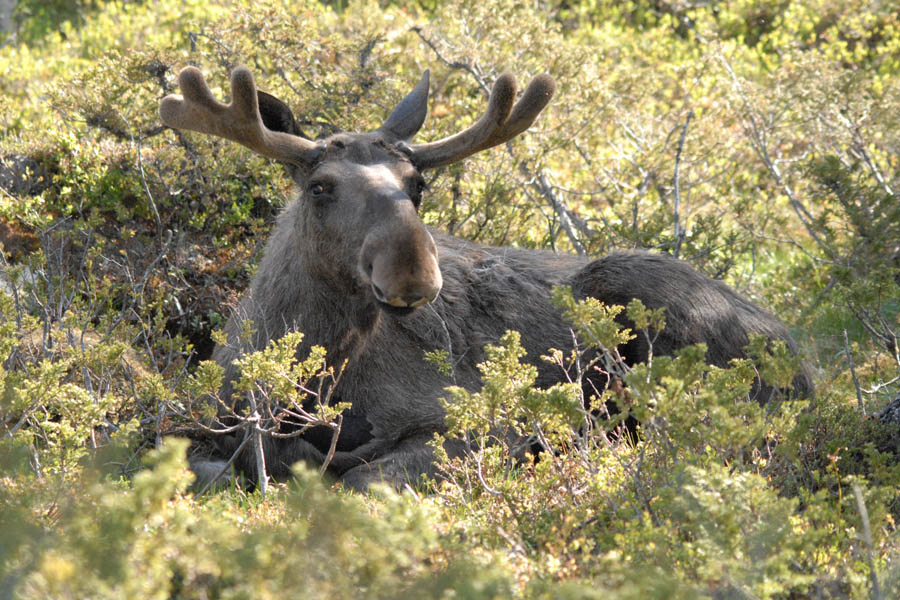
400,260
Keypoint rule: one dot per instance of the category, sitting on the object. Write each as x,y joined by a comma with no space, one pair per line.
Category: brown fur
334,257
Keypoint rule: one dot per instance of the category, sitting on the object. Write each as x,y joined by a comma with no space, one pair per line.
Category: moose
351,265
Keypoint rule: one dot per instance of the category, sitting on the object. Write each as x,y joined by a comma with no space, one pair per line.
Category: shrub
757,141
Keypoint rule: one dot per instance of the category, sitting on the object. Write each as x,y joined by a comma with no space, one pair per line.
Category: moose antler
239,121
501,122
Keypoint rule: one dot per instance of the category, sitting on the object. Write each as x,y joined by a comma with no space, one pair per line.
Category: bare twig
541,184
859,148
880,386
677,231
227,465
758,141
849,352
450,359
867,538
481,479
333,446
257,433
472,69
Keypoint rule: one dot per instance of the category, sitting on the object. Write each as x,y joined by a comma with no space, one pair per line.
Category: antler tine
464,143
501,122
240,121
536,96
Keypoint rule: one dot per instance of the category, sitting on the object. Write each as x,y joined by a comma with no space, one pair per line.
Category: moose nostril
378,293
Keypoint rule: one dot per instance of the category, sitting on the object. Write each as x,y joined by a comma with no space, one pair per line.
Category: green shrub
759,141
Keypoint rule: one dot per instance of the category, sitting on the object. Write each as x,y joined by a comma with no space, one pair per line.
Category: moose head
360,192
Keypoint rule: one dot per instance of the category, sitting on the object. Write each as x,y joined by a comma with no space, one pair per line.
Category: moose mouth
396,305
397,311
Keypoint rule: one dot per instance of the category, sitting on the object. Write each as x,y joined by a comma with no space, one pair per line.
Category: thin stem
867,538
225,467
859,399
677,231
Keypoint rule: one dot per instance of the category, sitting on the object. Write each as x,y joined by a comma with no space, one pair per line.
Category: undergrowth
759,141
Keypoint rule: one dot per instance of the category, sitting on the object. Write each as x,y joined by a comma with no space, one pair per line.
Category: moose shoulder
351,264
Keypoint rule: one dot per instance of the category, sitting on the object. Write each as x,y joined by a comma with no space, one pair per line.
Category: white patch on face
378,176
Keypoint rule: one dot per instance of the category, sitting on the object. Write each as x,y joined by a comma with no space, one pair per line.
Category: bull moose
351,264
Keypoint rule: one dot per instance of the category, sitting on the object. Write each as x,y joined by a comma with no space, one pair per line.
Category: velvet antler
240,121
501,122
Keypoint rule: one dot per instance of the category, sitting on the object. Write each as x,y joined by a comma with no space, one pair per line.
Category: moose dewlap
351,264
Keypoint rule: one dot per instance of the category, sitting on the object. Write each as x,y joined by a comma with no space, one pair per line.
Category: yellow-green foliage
758,140
148,539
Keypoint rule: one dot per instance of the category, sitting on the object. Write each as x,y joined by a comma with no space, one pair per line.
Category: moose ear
276,115
407,118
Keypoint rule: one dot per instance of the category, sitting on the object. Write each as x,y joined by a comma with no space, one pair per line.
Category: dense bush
759,141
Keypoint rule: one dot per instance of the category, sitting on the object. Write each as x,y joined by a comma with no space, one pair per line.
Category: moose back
351,264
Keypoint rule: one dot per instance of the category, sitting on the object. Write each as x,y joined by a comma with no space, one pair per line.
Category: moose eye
317,189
